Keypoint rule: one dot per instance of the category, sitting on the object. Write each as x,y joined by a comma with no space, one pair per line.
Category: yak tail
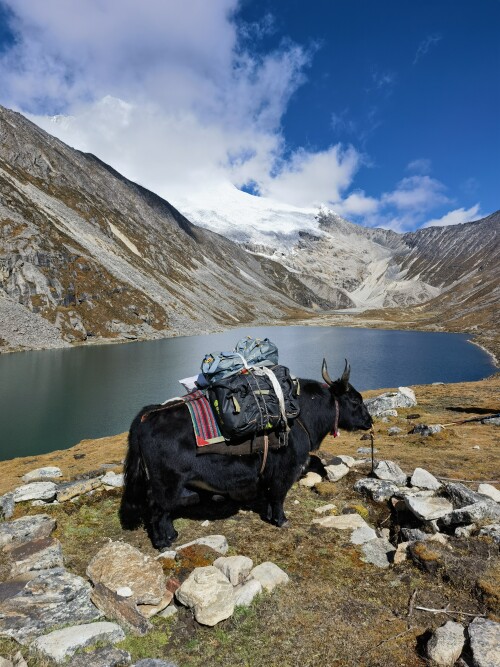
133,503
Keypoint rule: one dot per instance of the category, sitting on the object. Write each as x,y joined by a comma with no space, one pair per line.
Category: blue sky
387,112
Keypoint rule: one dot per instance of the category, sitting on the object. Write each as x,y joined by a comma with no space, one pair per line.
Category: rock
18,660
103,657
235,568
404,491
209,593
54,597
490,491
5,663
414,534
336,472
425,429
424,480
376,552
363,534
113,479
366,450
471,513
394,430
379,490
349,461
465,531
401,553
330,507
149,610
310,480
29,557
446,644
215,542
60,644
71,490
170,554
388,413
7,505
492,421
461,495
124,592
492,531
390,472
476,447
121,610
403,398
169,611
269,575
484,638
246,592
342,522
118,564
50,472
427,509
35,491
26,528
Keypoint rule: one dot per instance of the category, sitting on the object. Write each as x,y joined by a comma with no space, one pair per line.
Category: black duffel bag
246,403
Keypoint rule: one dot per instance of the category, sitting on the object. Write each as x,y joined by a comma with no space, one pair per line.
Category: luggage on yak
249,391
248,352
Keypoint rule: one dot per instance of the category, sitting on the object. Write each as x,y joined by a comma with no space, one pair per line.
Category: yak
163,471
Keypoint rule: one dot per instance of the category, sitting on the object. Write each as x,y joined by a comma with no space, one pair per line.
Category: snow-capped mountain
86,253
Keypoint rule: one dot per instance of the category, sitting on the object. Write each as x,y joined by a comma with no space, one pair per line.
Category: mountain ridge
100,257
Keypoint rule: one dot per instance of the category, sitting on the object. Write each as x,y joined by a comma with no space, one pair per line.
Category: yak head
353,412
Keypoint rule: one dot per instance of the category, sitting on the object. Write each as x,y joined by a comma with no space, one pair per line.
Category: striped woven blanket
206,429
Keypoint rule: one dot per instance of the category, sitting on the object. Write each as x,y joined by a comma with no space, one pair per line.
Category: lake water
52,399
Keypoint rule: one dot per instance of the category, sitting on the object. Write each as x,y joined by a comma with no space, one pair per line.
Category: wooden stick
470,481
449,611
411,603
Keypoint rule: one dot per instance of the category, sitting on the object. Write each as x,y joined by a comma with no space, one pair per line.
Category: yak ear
324,373
345,375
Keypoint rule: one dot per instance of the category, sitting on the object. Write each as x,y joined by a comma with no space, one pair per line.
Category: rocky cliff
86,254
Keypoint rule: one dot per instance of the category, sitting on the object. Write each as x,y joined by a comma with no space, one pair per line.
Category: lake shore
389,319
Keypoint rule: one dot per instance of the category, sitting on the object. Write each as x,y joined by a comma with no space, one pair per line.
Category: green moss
154,644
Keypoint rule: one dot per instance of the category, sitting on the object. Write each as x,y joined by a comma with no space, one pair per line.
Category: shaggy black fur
162,466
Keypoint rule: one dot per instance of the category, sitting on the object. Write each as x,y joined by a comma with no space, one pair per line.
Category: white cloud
420,166
177,98
425,45
357,204
314,178
168,95
422,192
456,217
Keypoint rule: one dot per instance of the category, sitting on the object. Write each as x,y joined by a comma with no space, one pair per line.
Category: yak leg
165,496
280,482
275,496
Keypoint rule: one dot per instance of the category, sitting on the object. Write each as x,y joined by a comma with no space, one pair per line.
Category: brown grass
336,610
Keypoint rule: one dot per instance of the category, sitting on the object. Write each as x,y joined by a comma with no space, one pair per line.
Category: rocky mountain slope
86,254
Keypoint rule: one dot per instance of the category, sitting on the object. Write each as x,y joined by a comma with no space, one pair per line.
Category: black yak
162,468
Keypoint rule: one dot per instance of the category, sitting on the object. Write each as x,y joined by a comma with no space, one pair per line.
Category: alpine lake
52,399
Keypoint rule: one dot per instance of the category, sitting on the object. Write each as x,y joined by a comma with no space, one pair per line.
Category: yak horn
324,373
346,373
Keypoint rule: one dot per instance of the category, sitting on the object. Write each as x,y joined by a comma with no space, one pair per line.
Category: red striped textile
205,427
